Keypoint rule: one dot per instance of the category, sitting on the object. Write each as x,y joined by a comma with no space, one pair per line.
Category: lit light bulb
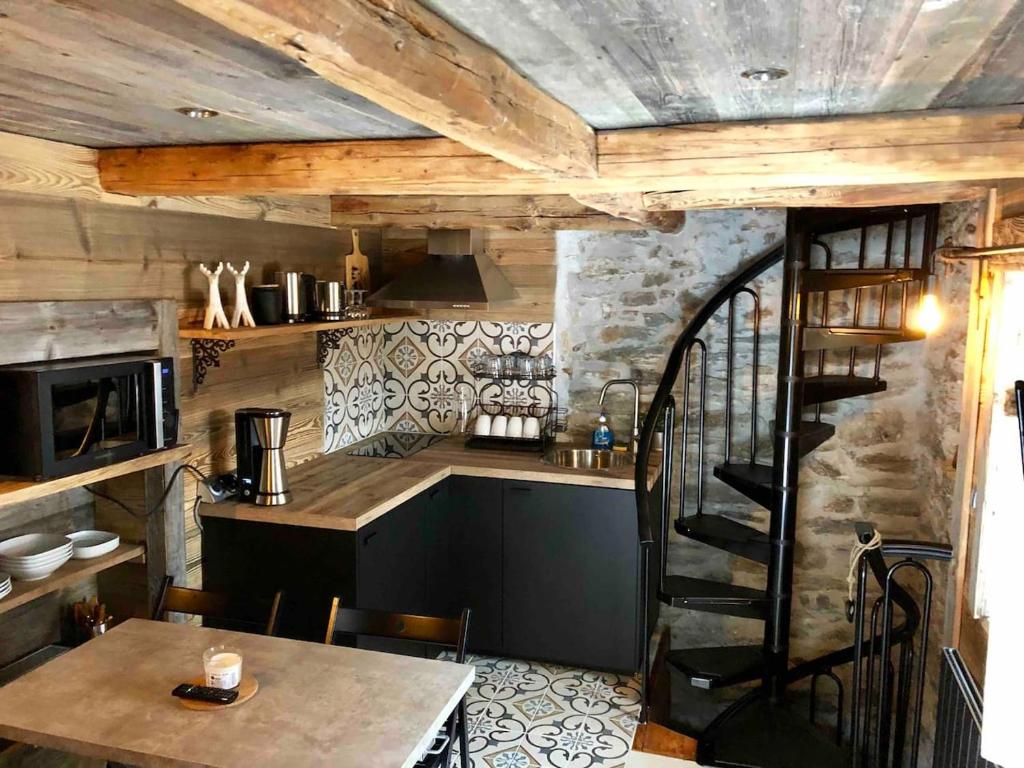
929,314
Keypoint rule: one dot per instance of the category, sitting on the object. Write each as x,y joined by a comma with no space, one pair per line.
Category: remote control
204,693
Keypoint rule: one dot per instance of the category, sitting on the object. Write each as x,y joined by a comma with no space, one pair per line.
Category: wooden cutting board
357,261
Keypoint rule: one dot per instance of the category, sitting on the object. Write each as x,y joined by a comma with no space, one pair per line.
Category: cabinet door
392,560
571,575
473,553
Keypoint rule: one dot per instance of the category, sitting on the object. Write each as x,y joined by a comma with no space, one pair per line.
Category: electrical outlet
215,490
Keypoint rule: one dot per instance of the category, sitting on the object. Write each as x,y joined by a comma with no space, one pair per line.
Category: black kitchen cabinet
310,565
467,558
392,560
549,571
571,575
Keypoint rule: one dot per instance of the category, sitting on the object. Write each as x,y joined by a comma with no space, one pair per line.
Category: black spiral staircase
748,705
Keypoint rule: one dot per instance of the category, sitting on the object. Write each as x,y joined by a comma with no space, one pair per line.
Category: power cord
198,473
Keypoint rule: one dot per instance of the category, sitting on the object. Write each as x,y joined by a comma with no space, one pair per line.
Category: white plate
32,545
90,544
37,560
35,572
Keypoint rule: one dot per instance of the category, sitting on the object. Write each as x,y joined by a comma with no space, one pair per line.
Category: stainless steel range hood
455,275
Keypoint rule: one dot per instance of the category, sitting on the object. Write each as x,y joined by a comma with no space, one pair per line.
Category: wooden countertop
344,493
317,705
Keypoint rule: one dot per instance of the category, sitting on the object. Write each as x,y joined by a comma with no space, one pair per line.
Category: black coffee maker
260,434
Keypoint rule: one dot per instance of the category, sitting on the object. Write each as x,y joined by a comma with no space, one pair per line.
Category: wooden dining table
316,705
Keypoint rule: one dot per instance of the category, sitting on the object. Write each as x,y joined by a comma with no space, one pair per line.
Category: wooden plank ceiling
102,73
517,88
627,63
111,72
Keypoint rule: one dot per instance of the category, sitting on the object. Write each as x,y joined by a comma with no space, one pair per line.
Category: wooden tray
246,690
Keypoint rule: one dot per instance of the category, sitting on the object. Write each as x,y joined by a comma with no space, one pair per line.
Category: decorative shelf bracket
206,355
328,340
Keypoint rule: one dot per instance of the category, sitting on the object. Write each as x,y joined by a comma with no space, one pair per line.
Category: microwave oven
69,416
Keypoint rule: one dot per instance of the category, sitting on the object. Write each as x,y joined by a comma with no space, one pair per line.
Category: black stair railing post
786,465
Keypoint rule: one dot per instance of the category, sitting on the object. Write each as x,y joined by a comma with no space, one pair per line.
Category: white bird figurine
241,315
214,307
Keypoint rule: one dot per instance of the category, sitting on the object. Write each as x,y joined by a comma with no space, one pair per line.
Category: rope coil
856,553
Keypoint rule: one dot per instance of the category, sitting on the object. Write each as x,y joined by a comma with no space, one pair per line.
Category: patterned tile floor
527,714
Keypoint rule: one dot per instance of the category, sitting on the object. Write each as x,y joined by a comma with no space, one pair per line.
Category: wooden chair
444,633
244,613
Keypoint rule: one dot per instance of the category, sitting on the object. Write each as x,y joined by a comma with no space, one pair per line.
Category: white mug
499,426
483,424
515,427
531,427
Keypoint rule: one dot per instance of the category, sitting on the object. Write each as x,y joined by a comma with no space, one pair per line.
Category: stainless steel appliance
68,416
456,274
298,294
330,300
260,435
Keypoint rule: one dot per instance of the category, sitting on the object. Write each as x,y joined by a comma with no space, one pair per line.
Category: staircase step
723,533
825,389
714,597
813,434
762,734
718,667
839,337
846,279
752,480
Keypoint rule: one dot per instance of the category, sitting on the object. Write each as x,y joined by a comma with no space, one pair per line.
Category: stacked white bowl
5,585
34,556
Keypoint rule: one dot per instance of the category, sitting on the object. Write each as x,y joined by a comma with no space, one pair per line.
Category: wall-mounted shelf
207,346
15,490
71,572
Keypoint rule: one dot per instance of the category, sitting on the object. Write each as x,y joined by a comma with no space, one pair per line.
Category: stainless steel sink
587,458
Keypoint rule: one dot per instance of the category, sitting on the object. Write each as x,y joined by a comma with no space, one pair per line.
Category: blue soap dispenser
603,438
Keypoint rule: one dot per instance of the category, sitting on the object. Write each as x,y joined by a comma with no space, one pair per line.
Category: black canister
267,304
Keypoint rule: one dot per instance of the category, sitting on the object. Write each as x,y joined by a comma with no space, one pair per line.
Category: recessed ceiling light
196,113
764,74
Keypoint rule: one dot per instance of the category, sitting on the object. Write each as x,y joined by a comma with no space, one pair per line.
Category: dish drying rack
552,420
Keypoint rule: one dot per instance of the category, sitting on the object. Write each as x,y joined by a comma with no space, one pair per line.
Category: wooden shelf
286,329
15,490
71,572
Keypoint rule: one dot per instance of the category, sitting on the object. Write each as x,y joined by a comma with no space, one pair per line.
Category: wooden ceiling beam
818,197
517,212
903,148
412,62
630,206
39,167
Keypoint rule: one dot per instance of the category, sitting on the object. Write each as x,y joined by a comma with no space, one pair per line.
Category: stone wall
622,299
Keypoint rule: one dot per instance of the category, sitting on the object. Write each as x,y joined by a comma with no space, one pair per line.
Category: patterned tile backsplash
403,376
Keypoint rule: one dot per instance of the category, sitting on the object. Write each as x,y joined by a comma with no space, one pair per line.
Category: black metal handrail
764,261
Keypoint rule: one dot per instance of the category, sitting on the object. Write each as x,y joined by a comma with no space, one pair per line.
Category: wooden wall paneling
90,250
527,259
35,166
281,372
29,627
897,148
50,330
